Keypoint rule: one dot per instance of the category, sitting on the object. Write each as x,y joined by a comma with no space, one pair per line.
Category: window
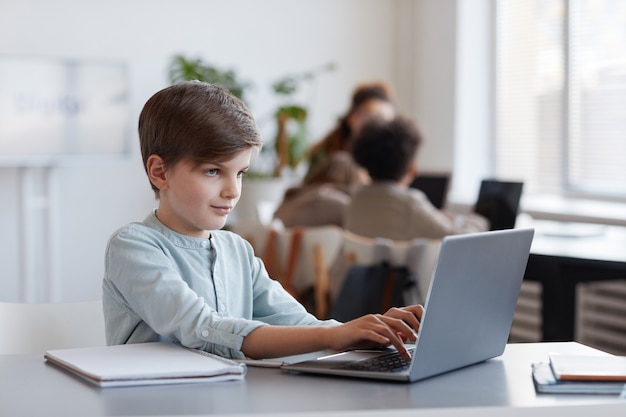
561,95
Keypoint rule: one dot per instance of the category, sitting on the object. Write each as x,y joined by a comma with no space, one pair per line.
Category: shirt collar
176,238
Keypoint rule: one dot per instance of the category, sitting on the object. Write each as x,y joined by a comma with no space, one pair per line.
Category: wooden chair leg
322,283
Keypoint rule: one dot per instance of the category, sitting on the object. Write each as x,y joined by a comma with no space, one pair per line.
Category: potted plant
292,137
292,133
186,69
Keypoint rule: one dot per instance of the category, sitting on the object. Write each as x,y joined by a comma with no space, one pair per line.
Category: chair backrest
258,234
38,327
264,238
308,253
299,257
418,256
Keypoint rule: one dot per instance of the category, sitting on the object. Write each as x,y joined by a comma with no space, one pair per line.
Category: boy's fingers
400,325
395,330
411,315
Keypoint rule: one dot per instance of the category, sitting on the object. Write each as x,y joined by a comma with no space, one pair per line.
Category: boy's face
195,199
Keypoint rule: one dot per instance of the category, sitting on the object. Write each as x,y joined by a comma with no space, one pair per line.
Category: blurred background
439,56
56,217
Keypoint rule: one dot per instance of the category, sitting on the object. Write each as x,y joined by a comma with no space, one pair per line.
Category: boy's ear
155,167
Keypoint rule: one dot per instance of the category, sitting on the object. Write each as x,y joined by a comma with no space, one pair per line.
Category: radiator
601,315
527,321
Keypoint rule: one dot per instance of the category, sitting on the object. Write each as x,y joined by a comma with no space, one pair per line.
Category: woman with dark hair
333,176
322,198
368,100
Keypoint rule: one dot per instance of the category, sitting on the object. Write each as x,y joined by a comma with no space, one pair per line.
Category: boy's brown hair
197,121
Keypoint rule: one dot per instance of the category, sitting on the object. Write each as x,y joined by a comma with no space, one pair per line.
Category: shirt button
205,333
204,243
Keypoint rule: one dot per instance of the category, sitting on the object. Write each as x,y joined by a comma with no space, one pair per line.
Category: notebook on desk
468,311
152,363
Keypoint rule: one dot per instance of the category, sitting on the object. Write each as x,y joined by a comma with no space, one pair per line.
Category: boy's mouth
223,209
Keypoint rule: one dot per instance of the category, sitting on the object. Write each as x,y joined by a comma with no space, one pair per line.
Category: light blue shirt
207,294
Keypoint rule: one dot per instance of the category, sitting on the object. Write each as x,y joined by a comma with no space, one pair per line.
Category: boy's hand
411,315
394,327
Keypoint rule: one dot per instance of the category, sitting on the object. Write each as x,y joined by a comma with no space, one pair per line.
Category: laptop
499,202
435,186
468,311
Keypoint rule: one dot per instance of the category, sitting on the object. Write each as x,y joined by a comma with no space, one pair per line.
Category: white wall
409,43
452,91
435,86
473,124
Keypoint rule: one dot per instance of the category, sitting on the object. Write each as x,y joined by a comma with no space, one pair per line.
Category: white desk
501,386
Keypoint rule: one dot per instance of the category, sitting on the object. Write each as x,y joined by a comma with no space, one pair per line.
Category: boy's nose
231,189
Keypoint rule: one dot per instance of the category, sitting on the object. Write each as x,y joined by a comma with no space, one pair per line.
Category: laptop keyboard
390,362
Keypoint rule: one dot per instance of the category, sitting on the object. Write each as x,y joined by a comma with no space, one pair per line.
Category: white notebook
588,367
145,364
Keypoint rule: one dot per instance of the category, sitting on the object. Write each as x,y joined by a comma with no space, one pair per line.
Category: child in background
388,207
177,276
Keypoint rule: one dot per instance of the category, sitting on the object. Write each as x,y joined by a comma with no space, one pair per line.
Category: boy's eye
211,172
241,174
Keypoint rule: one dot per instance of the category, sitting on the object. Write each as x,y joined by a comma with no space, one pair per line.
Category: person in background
326,189
177,276
322,199
368,100
388,207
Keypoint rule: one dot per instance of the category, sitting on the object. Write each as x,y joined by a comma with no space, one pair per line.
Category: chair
308,253
263,237
257,233
38,327
417,256
299,258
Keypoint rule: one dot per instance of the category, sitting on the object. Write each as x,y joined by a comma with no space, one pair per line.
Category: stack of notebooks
152,363
581,374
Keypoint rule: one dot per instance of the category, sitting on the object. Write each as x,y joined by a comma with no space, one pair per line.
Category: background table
566,254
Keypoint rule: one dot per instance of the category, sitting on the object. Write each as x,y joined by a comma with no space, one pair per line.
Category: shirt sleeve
428,221
271,303
154,288
435,224
151,296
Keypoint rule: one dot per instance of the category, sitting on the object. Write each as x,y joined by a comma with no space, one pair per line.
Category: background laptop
469,310
499,201
435,186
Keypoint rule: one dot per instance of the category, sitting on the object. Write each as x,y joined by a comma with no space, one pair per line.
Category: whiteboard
62,110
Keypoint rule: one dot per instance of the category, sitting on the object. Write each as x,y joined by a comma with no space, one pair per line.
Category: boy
388,207
177,276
